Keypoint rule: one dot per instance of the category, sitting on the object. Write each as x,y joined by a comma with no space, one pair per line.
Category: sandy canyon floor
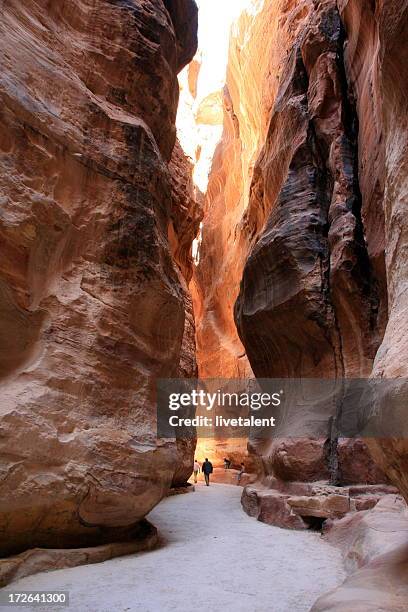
213,557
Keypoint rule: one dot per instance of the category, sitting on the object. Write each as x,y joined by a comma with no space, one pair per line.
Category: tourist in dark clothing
207,469
227,464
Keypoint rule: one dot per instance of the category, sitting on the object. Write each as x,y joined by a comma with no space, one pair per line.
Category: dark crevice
314,523
325,187
366,277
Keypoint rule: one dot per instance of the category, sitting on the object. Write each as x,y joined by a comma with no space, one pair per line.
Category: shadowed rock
92,301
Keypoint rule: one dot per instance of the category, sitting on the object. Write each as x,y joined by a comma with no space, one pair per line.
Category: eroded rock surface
144,538
310,303
183,228
258,46
376,557
301,505
286,214
384,27
323,290
91,297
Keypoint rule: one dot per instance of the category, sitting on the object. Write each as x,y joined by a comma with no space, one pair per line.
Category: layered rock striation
185,219
254,61
92,295
310,304
305,211
289,240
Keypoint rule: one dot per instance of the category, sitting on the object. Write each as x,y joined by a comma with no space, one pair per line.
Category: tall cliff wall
92,294
302,228
254,61
255,56
378,44
310,302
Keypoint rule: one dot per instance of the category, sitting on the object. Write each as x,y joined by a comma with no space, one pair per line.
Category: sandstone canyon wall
304,237
378,44
96,225
310,302
253,63
303,231
251,84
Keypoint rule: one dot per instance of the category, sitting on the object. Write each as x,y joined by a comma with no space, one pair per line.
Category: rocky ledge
300,505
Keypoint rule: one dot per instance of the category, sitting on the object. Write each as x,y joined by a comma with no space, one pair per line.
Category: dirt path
214,558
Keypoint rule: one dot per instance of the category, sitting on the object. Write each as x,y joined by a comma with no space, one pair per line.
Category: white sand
214,557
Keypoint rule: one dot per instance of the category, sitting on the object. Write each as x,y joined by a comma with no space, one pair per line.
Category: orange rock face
310,303
91,293
251,84
183,228
283,237
253,63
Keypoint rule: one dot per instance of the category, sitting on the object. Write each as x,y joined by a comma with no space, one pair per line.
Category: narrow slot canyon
211,193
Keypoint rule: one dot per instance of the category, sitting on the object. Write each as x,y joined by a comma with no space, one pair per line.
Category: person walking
196,470
207,469
241,471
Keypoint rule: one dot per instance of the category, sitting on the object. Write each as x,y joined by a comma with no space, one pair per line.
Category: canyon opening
203,297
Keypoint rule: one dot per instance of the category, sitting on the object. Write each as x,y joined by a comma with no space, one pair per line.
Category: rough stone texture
185,221
307,203
297,459
257,49
376,557
285,213
91,300
299,505
387,30
362,55
356,464
309,303
306,285
324,506
306,195
186,216
362,536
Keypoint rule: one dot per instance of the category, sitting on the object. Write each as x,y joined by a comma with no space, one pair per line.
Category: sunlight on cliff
200,112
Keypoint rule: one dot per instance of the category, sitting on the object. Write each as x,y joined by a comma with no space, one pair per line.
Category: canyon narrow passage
204,269
213,557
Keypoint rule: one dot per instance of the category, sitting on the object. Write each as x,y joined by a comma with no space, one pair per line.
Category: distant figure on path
207,469
241,471
196,470
227,464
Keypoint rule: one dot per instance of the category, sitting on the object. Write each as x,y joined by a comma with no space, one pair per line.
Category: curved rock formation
253,63
305,208
309,304
258,45
284,211
92,303
376,557
143,538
